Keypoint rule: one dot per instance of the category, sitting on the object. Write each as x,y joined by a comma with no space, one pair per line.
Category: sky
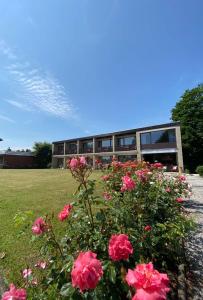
73,68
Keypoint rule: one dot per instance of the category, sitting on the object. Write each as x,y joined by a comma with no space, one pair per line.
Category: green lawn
41,191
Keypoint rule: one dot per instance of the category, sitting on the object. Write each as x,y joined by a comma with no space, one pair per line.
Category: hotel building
158,143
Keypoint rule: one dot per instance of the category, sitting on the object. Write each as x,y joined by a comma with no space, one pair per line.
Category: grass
41,191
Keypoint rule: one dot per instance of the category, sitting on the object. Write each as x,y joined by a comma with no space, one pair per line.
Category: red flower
148,282
15,294
39,226
65,212
119,247
148,228
87,271
179,200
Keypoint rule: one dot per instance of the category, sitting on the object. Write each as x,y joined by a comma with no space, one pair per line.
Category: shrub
199,170
113,245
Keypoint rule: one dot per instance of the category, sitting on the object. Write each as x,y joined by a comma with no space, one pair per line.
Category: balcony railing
71,151
125,148
104,149
86,150
58,152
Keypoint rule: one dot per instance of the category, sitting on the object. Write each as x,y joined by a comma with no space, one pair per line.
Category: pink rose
41,264
179,200
157,165
74,163
15,294
148,282
87,271
65,212
27,273
107,196
148,228
182,178
128,184
119,247
168,189
39,226
83,161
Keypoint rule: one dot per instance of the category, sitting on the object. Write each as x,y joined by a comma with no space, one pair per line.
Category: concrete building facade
160,143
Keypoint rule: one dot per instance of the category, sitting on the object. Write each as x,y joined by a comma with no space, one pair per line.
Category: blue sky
73,68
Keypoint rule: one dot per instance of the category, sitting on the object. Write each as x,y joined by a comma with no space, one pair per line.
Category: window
126,141
160,136
105,143
87,146
106,159
145,138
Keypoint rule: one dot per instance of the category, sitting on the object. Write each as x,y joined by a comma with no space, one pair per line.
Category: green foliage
199,170
189,111
43,154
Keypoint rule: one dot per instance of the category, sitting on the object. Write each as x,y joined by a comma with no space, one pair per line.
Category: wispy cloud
37,89
6,50
5,118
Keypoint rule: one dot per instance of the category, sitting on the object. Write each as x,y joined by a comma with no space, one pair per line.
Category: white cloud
6,50
41,91
36,89
5,118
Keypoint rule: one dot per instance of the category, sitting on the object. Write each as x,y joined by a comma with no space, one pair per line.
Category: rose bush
110,242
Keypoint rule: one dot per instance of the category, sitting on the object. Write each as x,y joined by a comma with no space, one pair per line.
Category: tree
43,154
189,111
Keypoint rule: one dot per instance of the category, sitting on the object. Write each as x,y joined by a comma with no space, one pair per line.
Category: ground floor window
124,158
59,162
106,159
167,159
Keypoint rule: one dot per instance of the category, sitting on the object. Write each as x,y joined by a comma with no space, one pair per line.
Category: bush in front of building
123,245
199,170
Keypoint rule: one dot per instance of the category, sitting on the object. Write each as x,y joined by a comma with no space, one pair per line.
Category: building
160,143
16,160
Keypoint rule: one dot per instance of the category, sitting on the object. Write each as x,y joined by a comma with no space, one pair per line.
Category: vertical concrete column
138,144
93,155
113,143
179,149
52,161
64,153
78,146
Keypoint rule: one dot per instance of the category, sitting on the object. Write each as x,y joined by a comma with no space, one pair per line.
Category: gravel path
195,243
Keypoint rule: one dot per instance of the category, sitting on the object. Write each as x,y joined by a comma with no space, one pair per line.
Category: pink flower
157,165
39,226
148,228
74,163
107,196
128,184
182,178
15,294
27,273
168,189
179,200
119,247
83,161
148,282
65,212
41,264
34,282
87,271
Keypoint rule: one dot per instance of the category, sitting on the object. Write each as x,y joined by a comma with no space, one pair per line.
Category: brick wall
18,161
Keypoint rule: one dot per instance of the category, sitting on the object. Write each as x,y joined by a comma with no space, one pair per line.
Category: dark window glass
145,138
106,159
106,143
160,136
171,136
126,141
